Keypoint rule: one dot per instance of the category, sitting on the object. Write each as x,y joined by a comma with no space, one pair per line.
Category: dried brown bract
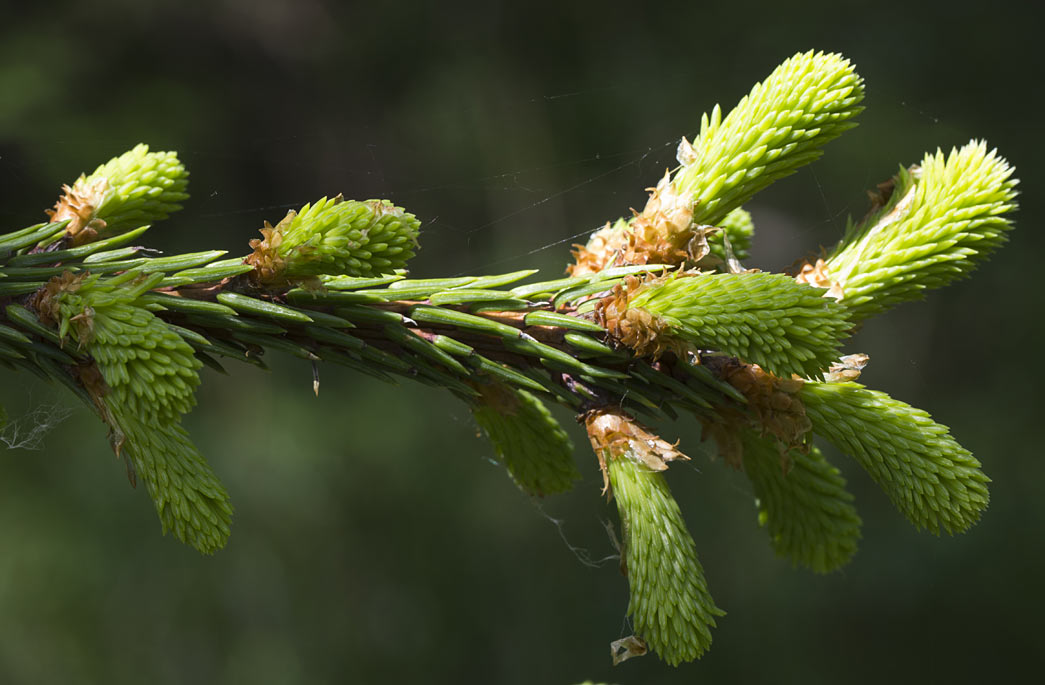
45,301
626,648
601,252
633,327
773,401
663,233
848,368
269,266
685,153
78,204
882,194
816,275
617,435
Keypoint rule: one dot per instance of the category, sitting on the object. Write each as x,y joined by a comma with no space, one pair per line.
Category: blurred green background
374,539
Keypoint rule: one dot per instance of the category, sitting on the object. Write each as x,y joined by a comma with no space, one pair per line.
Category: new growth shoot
658,319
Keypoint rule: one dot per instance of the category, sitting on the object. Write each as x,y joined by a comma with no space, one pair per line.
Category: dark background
374,539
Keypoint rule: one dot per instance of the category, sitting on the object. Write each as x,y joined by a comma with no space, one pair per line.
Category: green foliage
150,370
149,376
766,319
778,127
137,188
941,219
350,238
928,476
774,130
127,332
533,446
670,604
803,504
190,500
738,228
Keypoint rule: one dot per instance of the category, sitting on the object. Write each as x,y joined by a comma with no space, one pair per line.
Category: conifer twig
657,319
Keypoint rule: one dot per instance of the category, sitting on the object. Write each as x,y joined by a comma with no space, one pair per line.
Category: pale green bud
761,318
143,378
336,237
738,228
670,604
778,127
533,446
935,223
135,189
803,504
930,478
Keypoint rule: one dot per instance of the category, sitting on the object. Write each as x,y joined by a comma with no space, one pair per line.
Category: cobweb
27,431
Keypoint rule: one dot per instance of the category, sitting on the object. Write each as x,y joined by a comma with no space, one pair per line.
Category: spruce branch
656,320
